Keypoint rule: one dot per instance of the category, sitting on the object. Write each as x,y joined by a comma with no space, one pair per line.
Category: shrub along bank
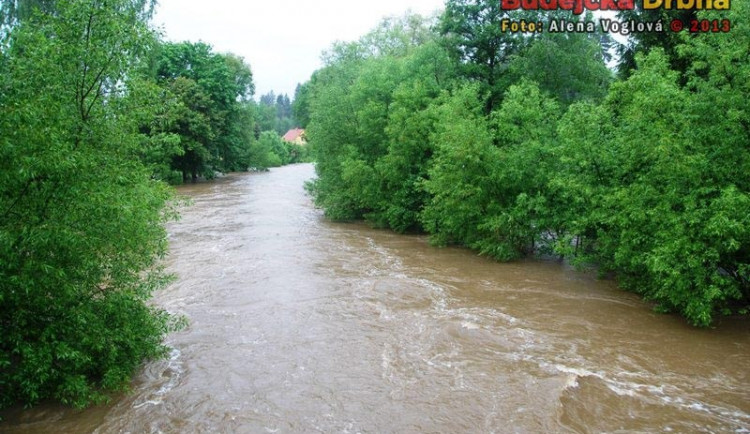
516,145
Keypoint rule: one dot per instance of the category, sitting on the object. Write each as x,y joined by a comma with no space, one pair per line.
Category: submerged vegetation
521,144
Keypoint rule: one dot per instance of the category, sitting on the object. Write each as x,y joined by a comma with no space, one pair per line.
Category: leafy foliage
207,119
643,42
81,225
301,104
274,113
473,35
519,146
370,123
569,67
658,217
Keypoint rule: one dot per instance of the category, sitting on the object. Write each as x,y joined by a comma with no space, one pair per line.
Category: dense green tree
350,140
275,113
411,121
156,111
265,117
643,42
586,169
14,11
658,208
332,132
654,198
459,180
213,118
568,66
717,79
193,126
517,145
489,180
268,99
473,35
268,151
283,106
236,134
524,220
301,103
81,223
352,101
656,240
271,151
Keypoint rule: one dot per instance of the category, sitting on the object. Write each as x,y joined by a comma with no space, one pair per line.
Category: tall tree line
519,145
81,227
275,114
206,111
96,113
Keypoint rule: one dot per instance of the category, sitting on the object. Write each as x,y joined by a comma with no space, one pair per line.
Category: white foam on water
150,402
173,372
469,325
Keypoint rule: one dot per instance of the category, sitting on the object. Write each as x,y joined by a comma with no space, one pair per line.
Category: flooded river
299,325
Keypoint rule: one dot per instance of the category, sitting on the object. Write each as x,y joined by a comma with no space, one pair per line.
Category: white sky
281,40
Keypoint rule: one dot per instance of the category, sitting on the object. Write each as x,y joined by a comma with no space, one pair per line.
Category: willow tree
80,219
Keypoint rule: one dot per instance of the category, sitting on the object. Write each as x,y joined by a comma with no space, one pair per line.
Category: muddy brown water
301,325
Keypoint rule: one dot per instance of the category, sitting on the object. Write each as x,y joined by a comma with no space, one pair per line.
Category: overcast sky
281,40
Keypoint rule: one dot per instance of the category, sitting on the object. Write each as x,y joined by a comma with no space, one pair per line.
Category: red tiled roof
293,134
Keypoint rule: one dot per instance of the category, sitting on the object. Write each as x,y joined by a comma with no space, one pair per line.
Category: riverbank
298,324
